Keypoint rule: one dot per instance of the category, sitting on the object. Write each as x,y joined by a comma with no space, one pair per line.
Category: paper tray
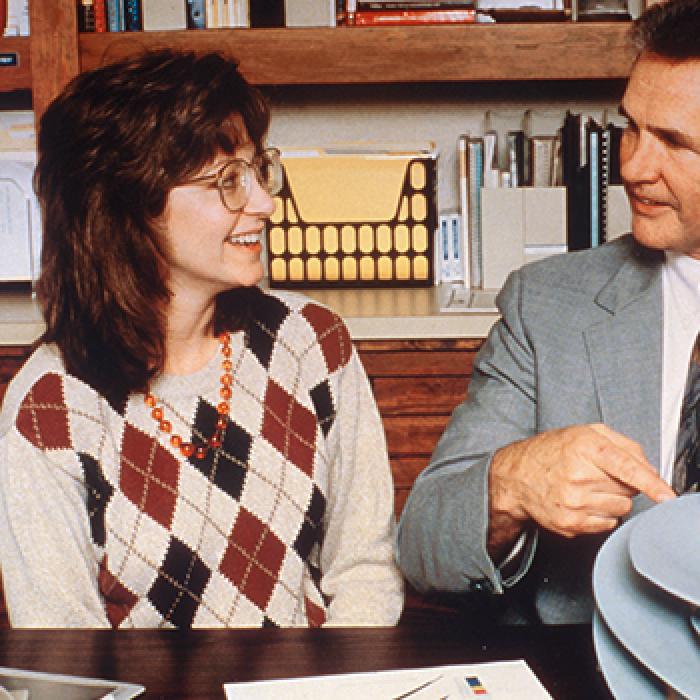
52,686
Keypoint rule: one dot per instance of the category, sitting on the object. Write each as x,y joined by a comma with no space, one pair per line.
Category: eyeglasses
234,178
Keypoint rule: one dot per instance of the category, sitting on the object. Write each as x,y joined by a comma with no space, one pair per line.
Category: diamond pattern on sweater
253,558
148,475
332,333
323,405
43,415
310,531
99,492
229,539
290,427
262,333
177,591
119,600
228,466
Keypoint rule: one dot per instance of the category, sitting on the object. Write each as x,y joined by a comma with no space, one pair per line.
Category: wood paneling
419,395
343,55
11,359
54,48
17,77
416,384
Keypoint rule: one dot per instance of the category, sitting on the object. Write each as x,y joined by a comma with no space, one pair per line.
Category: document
32,685
499,680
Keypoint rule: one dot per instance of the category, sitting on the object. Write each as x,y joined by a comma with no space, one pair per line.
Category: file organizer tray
354,217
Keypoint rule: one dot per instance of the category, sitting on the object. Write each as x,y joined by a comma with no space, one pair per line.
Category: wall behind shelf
317,115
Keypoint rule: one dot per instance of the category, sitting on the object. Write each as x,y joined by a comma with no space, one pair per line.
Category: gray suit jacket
579,341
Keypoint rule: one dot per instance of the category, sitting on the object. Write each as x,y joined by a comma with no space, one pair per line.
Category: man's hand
572,481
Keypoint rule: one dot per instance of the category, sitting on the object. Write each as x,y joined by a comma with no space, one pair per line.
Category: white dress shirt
681,298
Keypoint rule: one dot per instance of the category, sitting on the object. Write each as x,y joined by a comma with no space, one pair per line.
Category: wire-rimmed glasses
234,178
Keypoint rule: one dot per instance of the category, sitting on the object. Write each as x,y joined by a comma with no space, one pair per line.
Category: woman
183,449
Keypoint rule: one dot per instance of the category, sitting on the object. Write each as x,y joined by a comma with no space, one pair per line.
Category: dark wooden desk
195,664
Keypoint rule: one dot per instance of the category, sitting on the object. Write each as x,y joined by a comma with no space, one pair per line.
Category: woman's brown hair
111,146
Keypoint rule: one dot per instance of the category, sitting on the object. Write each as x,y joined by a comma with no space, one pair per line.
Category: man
572,417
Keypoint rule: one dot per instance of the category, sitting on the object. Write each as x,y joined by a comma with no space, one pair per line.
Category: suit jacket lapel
625,353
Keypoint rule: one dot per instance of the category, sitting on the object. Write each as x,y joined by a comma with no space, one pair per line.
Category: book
266,13
115,15
196,14
86,16
211,14
401,17
241,13
163,14
310,13
100,10
132,15
414,4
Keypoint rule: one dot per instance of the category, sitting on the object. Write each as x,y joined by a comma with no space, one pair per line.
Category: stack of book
399,12
134,15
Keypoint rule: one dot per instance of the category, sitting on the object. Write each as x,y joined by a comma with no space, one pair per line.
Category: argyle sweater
289,523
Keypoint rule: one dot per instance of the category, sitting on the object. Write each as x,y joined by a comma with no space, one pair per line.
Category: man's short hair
670,29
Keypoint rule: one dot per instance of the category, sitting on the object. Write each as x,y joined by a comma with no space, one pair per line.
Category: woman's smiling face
208,247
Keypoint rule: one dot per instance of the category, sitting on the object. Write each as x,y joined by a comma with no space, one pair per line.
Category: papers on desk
456,298
33,685
501,680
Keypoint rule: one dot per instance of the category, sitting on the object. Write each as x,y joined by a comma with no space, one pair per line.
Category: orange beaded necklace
187,449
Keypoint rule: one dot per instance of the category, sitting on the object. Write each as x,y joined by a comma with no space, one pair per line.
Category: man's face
660,153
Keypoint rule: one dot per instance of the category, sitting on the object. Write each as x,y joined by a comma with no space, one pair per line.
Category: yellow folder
354,217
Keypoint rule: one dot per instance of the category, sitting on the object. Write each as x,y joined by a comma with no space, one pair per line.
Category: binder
471,157
585,162
597,166
463,167
576,179
471,181
515,148
354,217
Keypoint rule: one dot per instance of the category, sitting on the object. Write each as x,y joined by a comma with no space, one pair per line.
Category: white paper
456,298
54,686
501,680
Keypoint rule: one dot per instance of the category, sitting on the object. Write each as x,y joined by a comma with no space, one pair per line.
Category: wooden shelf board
19,77
354,55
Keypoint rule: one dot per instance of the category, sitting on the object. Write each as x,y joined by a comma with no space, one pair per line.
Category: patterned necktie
686,467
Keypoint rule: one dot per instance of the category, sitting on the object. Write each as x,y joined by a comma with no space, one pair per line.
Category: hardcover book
100,10
399,17
414,4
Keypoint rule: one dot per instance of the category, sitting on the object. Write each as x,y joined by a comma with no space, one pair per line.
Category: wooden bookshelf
366,55
544,51
17,77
